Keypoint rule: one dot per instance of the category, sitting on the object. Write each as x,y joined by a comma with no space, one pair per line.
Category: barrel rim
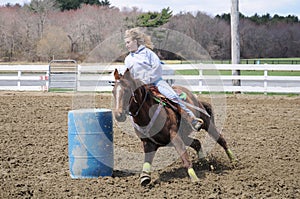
87,110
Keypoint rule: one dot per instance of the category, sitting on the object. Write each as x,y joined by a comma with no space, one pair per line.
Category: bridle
133,98
135,101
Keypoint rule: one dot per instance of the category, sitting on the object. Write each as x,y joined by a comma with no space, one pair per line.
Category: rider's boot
197,124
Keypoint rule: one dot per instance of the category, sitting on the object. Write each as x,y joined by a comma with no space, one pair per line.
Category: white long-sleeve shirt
144,65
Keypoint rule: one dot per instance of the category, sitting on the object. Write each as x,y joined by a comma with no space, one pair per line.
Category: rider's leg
165,89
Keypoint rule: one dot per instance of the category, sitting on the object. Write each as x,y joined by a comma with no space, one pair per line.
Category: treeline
264,19
43,30
63,4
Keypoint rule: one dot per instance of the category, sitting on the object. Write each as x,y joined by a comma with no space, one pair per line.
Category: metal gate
63,75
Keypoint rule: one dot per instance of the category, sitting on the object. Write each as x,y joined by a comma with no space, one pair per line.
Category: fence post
19,79
48,78
78,77
265,81
200,79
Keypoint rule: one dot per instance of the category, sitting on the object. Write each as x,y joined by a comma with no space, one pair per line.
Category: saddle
160,98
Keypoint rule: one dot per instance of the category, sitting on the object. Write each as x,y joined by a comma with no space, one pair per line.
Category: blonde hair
142,38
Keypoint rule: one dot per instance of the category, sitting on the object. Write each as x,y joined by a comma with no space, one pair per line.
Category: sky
210,7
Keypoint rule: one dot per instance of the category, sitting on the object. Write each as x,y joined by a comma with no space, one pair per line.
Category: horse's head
122,92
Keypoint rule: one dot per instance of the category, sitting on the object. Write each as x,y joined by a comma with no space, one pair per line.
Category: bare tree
42,9
11,32
54,44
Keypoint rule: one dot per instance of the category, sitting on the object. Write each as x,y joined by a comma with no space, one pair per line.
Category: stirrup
197,124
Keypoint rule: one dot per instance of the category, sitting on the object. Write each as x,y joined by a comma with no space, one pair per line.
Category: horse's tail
209,110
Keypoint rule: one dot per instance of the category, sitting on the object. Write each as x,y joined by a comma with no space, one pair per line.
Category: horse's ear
116,74
127,74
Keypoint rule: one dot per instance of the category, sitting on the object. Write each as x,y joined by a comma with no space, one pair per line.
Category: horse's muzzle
120,116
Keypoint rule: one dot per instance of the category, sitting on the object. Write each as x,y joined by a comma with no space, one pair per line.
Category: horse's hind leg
214,133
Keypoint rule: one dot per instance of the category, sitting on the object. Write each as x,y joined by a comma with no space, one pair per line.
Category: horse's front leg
150,149
181,150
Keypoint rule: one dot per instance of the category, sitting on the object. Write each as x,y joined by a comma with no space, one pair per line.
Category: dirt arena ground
263,131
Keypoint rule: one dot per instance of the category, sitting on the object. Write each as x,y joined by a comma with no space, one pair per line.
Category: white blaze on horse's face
118,90
119,111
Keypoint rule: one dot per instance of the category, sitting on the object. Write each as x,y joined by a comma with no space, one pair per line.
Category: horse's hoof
145,179
235,163
193,175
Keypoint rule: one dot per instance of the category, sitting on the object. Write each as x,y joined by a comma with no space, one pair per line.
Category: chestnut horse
160,122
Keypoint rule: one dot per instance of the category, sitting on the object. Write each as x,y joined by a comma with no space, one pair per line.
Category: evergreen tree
154,19
104,3
97,2
68,4
75,4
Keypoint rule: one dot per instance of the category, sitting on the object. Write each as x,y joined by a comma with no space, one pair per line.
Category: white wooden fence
18,74
98,77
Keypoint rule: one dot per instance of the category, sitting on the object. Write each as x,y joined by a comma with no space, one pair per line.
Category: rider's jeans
165,89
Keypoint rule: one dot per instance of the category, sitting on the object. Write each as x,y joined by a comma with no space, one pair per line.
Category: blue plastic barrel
90,143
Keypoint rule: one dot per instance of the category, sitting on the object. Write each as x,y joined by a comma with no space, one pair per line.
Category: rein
140,107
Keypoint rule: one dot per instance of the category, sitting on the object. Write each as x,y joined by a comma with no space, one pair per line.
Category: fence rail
96,77
12,77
